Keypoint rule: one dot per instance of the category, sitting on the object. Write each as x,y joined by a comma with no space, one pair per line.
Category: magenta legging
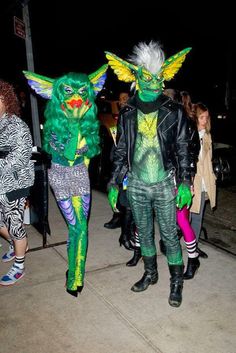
182,217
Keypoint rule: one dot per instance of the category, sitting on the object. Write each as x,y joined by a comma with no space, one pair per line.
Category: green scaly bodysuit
147,163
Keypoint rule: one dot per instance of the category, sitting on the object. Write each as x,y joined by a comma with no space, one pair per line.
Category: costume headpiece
147,64
71,106
43,85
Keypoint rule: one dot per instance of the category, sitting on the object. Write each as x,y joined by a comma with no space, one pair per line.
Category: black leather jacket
173,134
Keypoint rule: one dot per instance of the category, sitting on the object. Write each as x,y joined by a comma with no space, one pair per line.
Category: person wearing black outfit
123,216
115,221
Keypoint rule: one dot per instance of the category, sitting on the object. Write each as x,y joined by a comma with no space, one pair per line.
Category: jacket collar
164,105
133,102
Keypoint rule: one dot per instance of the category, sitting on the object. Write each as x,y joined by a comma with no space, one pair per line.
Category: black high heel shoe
123,240
73,292
192,267
135,259
115,222
202,253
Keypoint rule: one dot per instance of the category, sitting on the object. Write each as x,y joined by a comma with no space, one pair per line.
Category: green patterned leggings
159,200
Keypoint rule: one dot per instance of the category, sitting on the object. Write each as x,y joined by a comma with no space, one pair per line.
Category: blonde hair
200,108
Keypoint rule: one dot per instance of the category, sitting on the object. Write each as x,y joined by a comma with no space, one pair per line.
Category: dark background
73,35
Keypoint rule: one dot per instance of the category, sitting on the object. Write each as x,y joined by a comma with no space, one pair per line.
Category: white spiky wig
150,56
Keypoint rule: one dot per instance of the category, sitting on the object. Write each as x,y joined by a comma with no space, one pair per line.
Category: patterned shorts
69,181
12,216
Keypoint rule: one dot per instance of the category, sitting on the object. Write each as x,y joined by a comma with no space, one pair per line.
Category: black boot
202,253
126,229
114,222
192,266
176,285
124,240
135,259
162,247
179,233
150,275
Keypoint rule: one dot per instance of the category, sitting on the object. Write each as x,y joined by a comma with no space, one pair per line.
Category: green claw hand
112,197
184,196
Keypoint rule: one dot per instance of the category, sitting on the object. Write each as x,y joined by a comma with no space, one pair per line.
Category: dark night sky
73,36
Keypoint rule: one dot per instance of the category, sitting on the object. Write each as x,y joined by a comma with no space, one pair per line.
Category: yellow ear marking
172,65
123,69
42,85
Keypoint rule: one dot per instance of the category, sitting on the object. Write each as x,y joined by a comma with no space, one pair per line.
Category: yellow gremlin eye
147,77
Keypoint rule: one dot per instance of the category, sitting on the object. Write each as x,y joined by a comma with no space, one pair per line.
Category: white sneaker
10,254
13,276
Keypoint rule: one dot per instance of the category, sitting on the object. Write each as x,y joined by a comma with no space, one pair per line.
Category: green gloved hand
184,196
113,197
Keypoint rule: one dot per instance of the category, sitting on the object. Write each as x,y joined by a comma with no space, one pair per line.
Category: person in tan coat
205,179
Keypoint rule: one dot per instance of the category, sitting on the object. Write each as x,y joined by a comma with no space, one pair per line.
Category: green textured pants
159,200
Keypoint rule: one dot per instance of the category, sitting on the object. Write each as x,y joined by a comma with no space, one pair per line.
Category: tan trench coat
205,171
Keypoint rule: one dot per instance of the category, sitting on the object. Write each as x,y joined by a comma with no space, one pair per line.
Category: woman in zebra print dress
16,178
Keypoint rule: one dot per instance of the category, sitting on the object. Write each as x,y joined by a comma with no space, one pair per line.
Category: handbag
17,194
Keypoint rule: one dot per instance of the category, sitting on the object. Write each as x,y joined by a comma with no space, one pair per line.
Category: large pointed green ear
172,65
123,69
98,78
40,84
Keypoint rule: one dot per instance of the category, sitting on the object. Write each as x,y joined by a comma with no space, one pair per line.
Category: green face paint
150,86
75,100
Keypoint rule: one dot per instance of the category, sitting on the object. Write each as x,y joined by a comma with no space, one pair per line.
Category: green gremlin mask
147,68
73,93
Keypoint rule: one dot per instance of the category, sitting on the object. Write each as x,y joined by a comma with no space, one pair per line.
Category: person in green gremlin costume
153,149
71,137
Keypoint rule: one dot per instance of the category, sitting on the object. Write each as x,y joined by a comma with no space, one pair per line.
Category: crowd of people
161,166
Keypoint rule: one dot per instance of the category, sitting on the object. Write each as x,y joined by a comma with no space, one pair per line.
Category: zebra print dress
16,172
16,168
